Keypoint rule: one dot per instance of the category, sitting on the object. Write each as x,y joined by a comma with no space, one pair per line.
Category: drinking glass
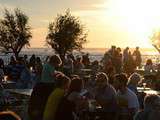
144,85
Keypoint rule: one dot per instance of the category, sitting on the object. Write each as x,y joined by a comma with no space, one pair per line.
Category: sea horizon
144,51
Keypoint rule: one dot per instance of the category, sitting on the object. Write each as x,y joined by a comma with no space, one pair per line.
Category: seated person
105,94
127,100
72,102
151,109
62,83
133,82
148,68
9,115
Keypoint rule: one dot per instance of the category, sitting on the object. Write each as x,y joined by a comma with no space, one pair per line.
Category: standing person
105,95
148,68
127,100
125,55
86,60
78,65
43,88
61,85
25,78
32,61
25,58
118,60
38,69
68,66
137,57
129,65
8,68
49,69
16,70
72,102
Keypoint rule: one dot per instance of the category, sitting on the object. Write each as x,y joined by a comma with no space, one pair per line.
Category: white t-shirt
131,98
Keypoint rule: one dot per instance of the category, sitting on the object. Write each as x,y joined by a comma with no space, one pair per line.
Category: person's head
95,62
38,59
121,80
113,47
62,81
152,102
101,80
127,48
118,49
149,62
76,84
33,56
69,56
9,115
78,59
55,60
134,79
137,48
25,57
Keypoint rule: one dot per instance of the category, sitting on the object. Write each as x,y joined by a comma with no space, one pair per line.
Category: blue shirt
47,73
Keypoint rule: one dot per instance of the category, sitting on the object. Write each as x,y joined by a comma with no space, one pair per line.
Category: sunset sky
110,22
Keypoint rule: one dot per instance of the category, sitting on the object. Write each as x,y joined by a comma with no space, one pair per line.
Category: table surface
148,90
26,92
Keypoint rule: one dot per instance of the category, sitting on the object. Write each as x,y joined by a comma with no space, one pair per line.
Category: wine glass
144,85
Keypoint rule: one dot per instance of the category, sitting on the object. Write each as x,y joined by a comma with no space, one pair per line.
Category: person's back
52,104
25,78
55,97
47,73
65,109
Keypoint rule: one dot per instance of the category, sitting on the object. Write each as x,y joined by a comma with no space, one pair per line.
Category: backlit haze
110,22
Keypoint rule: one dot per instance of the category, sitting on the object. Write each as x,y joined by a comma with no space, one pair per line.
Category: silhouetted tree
66,34
155,39
14,31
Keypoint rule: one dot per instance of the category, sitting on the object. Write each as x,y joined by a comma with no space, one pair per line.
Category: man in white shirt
127,100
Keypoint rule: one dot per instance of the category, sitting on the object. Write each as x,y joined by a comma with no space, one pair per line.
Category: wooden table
22,98
8,84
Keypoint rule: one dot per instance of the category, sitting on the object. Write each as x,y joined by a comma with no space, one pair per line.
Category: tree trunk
16,55
155,46
62,56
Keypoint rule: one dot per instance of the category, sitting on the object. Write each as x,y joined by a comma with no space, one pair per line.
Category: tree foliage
155,39
66,34
14,31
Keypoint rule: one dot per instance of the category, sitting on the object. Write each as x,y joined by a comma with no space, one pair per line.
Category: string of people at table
63,90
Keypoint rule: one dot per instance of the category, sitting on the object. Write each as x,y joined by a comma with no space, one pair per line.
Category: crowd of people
63,90
126,62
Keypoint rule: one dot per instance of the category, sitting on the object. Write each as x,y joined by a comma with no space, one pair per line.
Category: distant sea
95,53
